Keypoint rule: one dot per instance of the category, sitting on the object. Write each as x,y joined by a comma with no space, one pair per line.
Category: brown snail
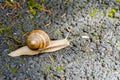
39,42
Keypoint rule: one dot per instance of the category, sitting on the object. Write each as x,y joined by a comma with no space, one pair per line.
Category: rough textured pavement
94,53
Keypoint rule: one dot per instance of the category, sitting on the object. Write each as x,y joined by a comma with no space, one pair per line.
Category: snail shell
37,39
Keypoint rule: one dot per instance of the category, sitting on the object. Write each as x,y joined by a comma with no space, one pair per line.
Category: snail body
39,42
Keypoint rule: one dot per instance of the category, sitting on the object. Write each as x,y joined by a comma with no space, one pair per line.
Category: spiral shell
37,39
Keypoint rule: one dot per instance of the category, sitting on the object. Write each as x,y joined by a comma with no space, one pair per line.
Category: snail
37,42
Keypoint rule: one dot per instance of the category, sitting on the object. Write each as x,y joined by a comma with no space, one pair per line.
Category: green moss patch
7,29
112,12
118,1
92,14
33,5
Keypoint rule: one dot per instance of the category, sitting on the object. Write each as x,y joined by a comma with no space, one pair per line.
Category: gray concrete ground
94,53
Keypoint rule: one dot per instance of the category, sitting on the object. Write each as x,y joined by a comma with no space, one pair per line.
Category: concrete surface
94,53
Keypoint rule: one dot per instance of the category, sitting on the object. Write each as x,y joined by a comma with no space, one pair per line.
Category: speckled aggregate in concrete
94,58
